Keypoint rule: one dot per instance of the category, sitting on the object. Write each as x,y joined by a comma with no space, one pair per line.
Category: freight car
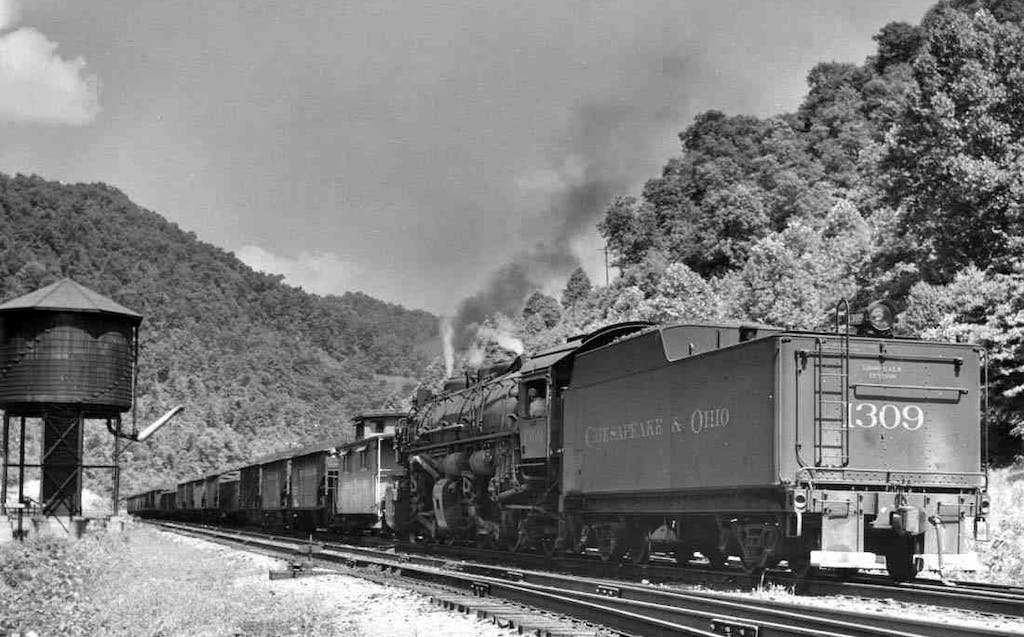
329,485
847,449
151,503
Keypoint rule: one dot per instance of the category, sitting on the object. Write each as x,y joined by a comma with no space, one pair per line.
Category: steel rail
620,605
990,599
967,596
964,596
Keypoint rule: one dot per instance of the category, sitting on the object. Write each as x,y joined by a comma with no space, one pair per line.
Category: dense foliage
898,178
259,364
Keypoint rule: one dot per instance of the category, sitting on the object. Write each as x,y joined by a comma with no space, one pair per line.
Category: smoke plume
606,151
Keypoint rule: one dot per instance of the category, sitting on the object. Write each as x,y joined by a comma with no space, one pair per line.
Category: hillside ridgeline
259,364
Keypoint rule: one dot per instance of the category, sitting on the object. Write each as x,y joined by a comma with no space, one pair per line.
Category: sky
408,150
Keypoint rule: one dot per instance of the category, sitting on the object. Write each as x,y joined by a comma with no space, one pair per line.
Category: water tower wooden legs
61,471
61,481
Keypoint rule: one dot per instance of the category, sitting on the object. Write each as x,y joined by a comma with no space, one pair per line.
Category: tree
834,121
898,43
682,294
577,288
795,277
953,162
1002,10
628,230
984,307
541,312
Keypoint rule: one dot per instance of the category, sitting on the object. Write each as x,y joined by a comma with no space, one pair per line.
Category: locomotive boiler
847,449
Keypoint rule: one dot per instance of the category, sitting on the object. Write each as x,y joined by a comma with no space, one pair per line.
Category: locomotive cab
533,424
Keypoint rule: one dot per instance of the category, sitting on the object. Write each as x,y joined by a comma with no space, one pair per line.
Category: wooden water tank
65,344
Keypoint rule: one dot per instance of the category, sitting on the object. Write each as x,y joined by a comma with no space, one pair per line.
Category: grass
1004,554
141,583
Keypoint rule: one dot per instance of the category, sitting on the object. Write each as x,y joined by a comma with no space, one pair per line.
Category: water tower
67,355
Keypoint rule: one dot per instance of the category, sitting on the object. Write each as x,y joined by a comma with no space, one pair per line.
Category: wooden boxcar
308,506
189,501
144,504
227,497
166,502
274,490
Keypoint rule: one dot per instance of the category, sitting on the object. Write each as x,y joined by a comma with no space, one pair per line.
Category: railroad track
977,597
626,608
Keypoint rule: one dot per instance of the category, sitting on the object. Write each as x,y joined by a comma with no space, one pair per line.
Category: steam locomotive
850,449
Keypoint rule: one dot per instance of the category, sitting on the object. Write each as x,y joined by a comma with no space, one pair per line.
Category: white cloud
36,84
9,13
321,273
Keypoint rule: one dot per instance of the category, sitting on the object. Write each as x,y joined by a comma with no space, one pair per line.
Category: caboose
848,449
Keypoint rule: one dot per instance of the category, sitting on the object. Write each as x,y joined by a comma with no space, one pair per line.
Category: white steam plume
9,13
504,339
500,336
445,325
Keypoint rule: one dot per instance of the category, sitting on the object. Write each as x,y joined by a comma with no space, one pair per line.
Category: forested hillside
899,178
259,364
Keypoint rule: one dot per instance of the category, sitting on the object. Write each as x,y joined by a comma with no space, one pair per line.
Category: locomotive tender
829,450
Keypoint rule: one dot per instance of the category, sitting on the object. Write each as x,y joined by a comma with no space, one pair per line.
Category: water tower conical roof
68,295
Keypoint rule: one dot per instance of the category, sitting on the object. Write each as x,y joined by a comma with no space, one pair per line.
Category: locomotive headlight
881,316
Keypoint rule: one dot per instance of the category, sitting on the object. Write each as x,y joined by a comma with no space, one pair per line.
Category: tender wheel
611,541
683,555
752,566
899,561
611,549
640,551
613,552
845,574
547,546
715,557
800,566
